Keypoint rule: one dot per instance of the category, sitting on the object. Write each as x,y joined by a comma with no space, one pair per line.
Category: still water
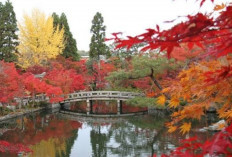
59,135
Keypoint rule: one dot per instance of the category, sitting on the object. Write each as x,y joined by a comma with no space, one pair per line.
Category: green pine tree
8,29
70,50
97,45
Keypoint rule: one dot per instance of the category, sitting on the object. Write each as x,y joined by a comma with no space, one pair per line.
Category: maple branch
154,80
157,83
181,40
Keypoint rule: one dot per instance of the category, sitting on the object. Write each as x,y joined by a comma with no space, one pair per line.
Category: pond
59,135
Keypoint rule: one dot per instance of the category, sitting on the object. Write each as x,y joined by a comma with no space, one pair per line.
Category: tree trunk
157,83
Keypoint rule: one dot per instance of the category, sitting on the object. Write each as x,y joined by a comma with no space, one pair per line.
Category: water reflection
58,135
46,134
134,136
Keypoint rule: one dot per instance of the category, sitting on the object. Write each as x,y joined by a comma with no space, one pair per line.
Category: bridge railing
82,95
102,94
37,98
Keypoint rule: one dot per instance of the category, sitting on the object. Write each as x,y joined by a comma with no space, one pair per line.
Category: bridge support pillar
89,108
119,106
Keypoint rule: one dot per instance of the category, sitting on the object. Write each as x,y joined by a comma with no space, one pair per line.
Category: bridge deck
101,95
88,97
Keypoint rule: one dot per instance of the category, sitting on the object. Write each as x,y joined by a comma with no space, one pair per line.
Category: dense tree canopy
97,45
149,74
97,73
39,40
70,45
8,29
68,80
10,83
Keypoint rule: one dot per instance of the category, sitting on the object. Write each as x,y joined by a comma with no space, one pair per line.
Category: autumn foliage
54,84
206,79
66,79
13,148
100,72
213,35
203,85
10,82
219,144
35,134
39,41
204,43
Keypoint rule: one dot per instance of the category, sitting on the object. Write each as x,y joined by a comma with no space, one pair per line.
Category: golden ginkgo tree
39,40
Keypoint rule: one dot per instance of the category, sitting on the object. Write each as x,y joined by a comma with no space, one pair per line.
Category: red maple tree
10,83
68,80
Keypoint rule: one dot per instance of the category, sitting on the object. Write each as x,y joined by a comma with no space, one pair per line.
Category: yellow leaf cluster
39,40
161,100
225,111
171,128
174,102
165,90
194,111
185,127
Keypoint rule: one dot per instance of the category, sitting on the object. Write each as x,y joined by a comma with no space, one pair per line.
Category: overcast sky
128,16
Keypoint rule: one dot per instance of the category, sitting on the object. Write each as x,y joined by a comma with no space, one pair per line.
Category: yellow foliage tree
39,41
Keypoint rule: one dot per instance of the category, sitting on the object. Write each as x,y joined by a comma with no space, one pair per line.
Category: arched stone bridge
88,97
100,95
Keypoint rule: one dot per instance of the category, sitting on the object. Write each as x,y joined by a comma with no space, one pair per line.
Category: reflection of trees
131,140
158,140
104,107
134,136
137,136
99,141
129,137
141,136
58,145
47,135
69,144
122,138
49,147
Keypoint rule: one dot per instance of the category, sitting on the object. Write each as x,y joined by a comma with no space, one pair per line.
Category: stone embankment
28,111
18,114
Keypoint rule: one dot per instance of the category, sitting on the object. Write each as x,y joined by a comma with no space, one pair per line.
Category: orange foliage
185,127
203,85
161,100
219,7
150,94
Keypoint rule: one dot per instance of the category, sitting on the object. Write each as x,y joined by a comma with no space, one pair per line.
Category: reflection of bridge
100,95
